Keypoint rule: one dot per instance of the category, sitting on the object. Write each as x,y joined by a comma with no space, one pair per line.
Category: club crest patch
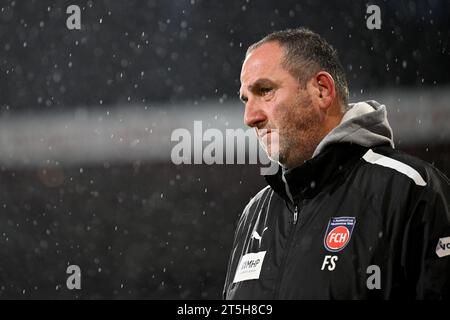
339,232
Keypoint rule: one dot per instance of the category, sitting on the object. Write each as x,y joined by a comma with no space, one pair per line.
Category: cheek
289,113
285,116
281,111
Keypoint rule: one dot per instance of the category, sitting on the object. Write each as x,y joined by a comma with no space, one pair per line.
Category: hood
364,124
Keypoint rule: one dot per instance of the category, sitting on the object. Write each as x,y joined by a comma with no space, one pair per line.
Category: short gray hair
305,54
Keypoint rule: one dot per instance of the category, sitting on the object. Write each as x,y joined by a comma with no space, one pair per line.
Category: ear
325,90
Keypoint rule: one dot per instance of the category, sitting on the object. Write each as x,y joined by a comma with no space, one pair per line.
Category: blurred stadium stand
98,189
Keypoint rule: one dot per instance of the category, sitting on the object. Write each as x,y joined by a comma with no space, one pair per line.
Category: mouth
263,133
269,138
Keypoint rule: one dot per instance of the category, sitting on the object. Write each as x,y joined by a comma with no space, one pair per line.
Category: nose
254,116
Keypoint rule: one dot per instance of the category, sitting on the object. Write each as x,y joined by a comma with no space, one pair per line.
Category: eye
265,90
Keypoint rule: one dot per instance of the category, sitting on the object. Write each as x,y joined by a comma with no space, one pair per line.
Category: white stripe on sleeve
379,159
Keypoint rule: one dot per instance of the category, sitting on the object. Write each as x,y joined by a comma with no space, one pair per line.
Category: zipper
295,214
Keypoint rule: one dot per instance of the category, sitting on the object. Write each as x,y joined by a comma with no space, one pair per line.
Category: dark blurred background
77,188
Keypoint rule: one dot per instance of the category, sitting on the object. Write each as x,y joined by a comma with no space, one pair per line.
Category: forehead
262,62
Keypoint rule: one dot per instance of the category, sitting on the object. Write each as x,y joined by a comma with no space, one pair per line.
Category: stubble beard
300,135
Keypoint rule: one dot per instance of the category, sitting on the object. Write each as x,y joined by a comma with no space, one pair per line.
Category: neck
333,116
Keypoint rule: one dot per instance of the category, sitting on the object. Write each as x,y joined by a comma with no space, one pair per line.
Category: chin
272,152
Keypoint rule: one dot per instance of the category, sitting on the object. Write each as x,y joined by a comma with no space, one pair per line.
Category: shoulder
257,201
396,170
389,165
262,196
388,162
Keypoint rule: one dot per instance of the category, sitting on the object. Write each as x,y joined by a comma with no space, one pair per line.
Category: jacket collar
307,180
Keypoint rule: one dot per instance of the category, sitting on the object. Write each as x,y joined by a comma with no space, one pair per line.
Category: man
347,216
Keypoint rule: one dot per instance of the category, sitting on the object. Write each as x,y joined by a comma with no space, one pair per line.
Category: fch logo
339,232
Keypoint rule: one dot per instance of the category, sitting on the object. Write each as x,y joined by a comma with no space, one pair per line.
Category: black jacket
353,222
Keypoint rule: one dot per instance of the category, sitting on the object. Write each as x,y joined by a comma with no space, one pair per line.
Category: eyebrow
259,83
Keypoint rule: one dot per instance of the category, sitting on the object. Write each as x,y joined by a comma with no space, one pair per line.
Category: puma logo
255,235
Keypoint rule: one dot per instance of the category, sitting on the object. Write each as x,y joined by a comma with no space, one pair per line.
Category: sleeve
242,227
240,224
428,258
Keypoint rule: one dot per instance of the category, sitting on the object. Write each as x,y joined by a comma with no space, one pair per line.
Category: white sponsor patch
443,247
249,267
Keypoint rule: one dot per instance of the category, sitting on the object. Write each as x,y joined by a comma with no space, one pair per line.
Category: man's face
276,102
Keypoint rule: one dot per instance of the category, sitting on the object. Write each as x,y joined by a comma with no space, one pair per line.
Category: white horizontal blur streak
118,135
418,117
